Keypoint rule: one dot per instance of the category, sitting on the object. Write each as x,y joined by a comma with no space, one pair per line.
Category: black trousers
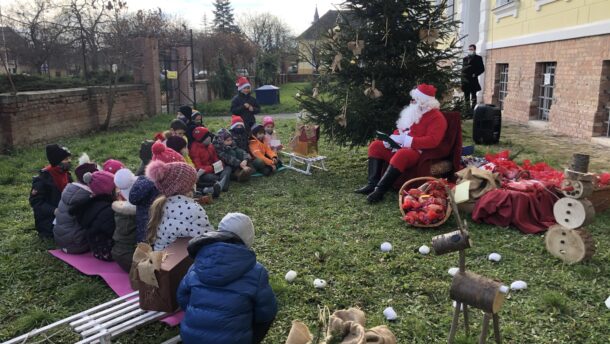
470,98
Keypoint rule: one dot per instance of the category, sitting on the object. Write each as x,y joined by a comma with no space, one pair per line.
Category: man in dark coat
472,67
243,104
47,187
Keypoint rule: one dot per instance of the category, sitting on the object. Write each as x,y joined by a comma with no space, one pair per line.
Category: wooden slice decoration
573,213
570,245
451,242
575,175
576,188
477,291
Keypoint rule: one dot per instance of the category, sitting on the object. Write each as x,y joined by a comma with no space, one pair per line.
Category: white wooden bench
309,162
101,323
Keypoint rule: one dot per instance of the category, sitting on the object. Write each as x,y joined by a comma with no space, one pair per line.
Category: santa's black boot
375,166
389,177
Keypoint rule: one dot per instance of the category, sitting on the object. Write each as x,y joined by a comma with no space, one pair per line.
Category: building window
506,8
502,83
545,93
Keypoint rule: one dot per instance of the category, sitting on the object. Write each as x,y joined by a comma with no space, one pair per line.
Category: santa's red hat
236,120
424,93
242,83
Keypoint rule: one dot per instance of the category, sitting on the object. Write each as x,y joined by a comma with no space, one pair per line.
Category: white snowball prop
386,247
608,302
290,276
424,249
453,271
504,289
494,257
390,314
518,285
319,283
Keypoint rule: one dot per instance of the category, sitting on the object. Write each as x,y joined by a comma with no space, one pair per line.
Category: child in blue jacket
226,294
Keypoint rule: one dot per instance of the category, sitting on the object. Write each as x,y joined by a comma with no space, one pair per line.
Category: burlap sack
380,335
299,334
481,181
147,262
347,326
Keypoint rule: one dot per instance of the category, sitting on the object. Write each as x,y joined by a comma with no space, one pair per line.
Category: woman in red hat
421,126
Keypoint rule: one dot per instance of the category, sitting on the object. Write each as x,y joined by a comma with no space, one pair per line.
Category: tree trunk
110,101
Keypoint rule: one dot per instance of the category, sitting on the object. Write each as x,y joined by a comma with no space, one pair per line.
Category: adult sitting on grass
47,188
421,126
243,104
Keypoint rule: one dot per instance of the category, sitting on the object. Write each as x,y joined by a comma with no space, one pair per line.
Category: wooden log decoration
580,163
477,291
573,213
570,245
576,188
451,242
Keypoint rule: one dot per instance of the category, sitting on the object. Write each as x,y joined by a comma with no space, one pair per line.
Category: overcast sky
298,14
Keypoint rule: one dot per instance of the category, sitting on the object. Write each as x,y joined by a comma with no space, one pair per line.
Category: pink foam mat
111,273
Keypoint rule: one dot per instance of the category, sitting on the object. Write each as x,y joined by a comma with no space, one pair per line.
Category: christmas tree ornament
319,283
386,247
342,118
390,314
352,61
316,93
372,92
356,46
290,276
336,65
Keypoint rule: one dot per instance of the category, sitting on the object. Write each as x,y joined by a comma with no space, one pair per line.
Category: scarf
60,177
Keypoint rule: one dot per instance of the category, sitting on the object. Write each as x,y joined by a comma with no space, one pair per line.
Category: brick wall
579,90
44,116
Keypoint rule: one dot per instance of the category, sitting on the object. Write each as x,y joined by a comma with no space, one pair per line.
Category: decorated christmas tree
377,52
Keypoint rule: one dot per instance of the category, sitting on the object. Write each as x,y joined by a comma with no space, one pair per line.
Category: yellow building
547,61
310,41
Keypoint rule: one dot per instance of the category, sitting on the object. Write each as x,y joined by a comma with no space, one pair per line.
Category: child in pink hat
174,214
271,138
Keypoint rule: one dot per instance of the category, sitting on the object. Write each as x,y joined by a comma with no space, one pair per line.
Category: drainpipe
482,43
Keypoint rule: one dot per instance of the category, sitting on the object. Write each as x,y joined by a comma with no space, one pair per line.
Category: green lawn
296,216
288,103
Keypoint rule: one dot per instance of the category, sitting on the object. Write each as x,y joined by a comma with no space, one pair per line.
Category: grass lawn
287,103
296,216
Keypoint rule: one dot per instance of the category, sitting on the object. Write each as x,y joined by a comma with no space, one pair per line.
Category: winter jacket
142,194
238,108
262,151
182,217
97,219
225,294
44,198
241,138
124,233
69,234
230,155
203,156
472,67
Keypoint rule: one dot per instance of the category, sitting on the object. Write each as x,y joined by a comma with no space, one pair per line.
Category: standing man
243,104
472,67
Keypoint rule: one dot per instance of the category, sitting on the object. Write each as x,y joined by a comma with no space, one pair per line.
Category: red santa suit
427,132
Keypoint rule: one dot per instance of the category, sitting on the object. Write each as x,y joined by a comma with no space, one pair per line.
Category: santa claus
421,126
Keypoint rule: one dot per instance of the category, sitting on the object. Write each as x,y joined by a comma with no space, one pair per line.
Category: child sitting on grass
271,137
239,133
96,215
225,295
178,144
47,188
204,156
145,156
266,161
69,235
125,220
176,128
174,214
233,156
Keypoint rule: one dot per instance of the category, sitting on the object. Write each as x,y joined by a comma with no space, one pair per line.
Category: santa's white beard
410,115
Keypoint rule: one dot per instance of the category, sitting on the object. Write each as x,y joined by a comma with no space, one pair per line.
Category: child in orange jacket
265,159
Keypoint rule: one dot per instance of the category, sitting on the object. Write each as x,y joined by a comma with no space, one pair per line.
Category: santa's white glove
386,145
407,141
398,138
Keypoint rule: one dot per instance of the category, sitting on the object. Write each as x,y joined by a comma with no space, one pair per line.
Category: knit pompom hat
200,133
236,120
81,169
175,178
268,120
164,154
56,153
113,166
100,182
124,180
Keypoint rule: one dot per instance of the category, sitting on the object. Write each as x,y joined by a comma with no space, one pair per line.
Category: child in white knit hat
226,285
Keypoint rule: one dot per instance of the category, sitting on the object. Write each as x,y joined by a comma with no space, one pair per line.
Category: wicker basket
407,186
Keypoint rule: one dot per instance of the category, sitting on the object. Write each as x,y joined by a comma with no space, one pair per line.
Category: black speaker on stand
486,124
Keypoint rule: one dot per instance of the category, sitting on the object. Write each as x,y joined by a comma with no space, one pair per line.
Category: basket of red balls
426,206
